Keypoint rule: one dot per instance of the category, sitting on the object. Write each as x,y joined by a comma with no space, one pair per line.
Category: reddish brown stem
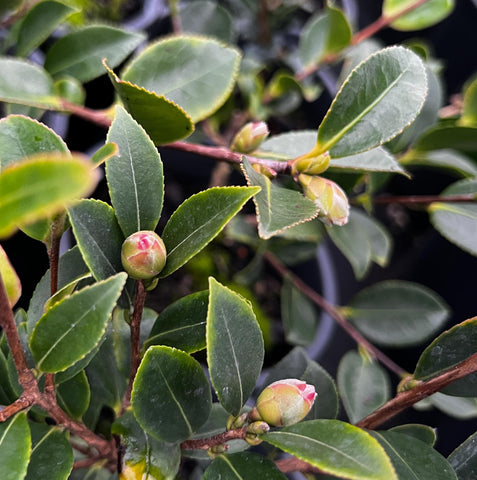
293,464
424,199
86,462
21,404
220,439
98,117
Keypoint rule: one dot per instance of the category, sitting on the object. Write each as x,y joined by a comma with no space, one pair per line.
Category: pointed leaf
72,328
10,279
198,221
336,448
15,447
277,208
464,459
135,178
179,68
80,53
171,396
392,88
73,395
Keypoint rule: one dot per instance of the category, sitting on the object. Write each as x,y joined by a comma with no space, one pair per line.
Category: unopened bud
217,450
328,197
262,169
310,165
250,137
258,428
253,439
408,383
237,422
143,255
284,402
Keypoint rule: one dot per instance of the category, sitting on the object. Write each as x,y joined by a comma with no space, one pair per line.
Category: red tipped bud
250,137
143,255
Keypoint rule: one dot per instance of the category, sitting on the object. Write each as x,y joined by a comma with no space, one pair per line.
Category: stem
220,439
334,313
17,406
175,17
98,117
424,199
293,464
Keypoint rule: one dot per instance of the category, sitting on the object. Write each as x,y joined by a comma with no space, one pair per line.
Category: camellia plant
144,351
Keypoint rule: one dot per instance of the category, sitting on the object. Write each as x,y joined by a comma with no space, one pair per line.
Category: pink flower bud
284,402
143,255
250,137
328,197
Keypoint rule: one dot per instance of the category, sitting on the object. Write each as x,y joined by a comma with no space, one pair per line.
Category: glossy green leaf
26,83
51,455
324,34
298,315
412,458
163,120
457,221
39,23
445,159
72,328
22,136
179,68
65,291
41,186
462,408
363,385
15,447
277,208
464,459
71,90
469,107
426,15
392,88
235,348
135,178
171,396
198,220
10,279
80,53
99,237
422,432
448,349
239,466
283,94
459,138
397,313
73,395
376,160
335,447
144,456
182,324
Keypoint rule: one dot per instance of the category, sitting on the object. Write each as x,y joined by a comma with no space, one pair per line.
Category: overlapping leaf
15,447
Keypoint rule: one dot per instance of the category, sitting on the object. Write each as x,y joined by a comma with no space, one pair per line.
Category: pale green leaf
10,279
15,447
464,459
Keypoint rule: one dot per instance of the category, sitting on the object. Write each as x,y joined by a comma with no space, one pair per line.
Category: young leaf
392,88
72,328
235,348
171,396
364,386
182,324
179,68
74,395
135,178
15,447
198,221
80,53
10,279
397,313
464,459
41,186
277,208
336,448
239,466
107,151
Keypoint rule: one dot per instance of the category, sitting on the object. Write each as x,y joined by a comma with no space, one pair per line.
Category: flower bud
311,165
234,422
250,137
143,255
284,402
328,197
258,428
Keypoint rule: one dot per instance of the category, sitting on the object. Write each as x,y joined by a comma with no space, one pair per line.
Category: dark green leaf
15,447
463,139
73,395
464,459
447,159
422,432
171,396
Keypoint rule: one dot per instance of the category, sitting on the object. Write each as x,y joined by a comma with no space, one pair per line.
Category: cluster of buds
250,137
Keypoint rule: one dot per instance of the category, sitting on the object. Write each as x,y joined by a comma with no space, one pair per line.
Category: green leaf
107,151
335,447
298,315
364,386
22,136
11,281
198,220
447,350
239,466
26,83
235,348
413,458
135,178
74,395
99,237
462,408
426,15
392,88
39,23
182,324
397,313
277,208
72,328
469,107
7,7
447,159
464,459
324,34
422,432
144,456
457,221
171,396
459,138
15,447
163,120
179,68
375,160
80,53
51,455
41,186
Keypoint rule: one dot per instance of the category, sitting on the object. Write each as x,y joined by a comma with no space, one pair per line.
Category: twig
220,439
86,462
293,464
17,406
424,199
175,16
